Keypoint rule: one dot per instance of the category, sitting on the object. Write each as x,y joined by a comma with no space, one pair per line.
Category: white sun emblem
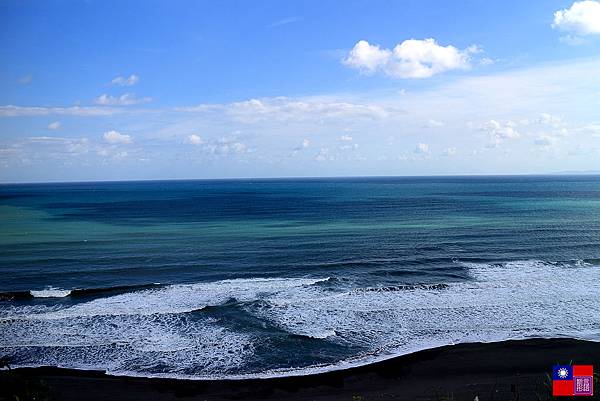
562,373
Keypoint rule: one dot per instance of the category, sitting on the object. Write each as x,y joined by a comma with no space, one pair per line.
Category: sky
128,90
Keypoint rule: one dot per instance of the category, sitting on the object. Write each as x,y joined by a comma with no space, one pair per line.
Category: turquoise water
274,277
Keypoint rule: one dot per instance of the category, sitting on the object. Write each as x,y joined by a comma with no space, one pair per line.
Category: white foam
50,292
511,300
143,344
174,298
143,331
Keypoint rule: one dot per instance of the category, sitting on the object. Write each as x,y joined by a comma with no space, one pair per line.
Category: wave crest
501,300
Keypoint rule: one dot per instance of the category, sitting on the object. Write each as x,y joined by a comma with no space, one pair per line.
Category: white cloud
54,125
126,81
239,147
572,40
46,139
345,138
349,146
287,109
422,148
78,146
568,89
367,58
550,119
544,140
225,146
60,145
582,18
412,58
114,137
195,140
498,132
82,111
434,123
111,152
126,99
323,155
305,144
593,129
285,21
451,151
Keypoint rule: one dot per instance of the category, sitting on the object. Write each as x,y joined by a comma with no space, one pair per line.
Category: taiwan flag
572,380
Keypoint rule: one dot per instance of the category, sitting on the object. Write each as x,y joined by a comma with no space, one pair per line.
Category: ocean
259,278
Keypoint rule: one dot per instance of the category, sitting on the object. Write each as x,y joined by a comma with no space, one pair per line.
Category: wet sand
509,370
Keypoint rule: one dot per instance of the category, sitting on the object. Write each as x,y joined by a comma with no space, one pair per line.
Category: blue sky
104,90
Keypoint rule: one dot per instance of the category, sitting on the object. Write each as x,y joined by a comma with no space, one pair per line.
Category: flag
569,380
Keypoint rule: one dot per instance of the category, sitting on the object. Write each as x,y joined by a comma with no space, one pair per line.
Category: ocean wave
170,299
124,333
411,287
53,292
84,292
50,292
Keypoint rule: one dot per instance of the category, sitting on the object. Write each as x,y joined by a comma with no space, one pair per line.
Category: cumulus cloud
225,146
126,99
54,125
115,137
422,148
194,140
219,147
550,119
367,57
412,58
582,18
126,81
498,132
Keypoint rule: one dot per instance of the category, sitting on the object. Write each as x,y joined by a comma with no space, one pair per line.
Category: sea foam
128,333
50,292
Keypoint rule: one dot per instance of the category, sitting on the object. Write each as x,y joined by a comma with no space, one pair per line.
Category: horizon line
274,178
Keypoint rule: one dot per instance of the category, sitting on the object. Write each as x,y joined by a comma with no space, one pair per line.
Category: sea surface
257,278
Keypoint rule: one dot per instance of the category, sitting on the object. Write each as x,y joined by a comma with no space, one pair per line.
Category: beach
508,370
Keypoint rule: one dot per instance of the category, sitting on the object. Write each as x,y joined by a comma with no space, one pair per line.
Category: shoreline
500,369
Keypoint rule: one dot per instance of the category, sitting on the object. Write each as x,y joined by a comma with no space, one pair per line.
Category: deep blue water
263,277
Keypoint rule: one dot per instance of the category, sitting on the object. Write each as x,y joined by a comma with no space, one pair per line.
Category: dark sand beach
508,370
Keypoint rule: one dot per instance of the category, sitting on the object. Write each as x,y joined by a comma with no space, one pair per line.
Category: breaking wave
188,331
52,292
